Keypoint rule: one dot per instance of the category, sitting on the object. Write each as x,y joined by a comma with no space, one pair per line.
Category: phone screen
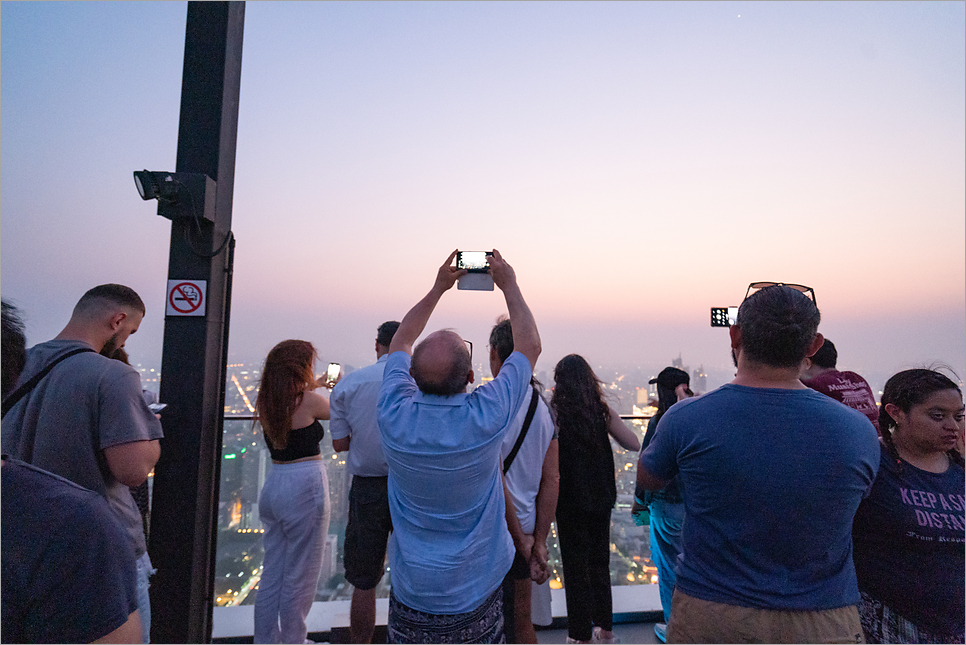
333,372
723,316
473,261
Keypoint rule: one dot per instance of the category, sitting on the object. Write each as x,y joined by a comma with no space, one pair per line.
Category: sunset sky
637,163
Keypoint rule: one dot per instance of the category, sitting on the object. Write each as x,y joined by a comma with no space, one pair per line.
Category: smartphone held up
478,276
332,374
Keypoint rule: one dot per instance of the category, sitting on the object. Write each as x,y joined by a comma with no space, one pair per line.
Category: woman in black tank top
294,502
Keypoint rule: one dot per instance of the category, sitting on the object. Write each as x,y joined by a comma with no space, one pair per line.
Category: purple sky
637,163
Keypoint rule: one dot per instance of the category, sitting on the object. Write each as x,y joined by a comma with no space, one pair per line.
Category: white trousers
294,509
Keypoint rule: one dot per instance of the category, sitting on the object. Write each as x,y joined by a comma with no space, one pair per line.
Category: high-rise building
699,380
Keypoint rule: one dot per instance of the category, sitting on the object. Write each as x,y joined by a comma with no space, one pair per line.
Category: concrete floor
627,632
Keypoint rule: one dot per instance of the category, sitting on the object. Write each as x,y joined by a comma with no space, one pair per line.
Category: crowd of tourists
785,506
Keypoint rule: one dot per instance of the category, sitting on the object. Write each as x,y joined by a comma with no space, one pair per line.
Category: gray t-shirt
86,404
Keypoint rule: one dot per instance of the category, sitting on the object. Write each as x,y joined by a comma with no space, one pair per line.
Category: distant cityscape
246,462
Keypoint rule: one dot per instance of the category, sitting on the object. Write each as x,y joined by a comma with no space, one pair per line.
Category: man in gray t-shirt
86,420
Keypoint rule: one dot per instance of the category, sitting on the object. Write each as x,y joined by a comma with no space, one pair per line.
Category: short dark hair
826,356
501,339
14,347
777,324
385,332
455,379
116,294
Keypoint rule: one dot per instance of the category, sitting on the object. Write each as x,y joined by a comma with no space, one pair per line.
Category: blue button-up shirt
353,413
450,548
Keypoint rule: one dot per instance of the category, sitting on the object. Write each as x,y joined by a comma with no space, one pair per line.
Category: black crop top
302,442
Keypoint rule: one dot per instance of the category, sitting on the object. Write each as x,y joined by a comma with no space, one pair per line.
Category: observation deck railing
246,462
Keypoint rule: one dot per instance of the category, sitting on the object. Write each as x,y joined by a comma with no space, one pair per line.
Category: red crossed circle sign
185,298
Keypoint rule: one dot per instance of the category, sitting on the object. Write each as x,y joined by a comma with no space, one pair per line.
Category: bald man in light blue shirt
450,550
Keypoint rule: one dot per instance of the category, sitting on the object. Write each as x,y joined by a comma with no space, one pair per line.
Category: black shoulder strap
523,431
22,391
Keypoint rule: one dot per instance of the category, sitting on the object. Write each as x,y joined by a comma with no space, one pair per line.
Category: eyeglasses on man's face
757,286
469,346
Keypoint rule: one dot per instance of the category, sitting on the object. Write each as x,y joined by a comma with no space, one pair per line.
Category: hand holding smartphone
332,374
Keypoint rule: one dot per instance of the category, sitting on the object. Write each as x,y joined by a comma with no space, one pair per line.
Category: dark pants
509,604
585,552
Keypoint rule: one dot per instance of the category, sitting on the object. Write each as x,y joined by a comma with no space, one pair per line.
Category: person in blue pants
667,505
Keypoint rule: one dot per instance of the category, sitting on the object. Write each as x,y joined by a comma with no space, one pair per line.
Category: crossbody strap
22,391
523,431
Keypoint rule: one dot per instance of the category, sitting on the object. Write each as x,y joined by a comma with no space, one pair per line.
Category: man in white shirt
354,429
531,475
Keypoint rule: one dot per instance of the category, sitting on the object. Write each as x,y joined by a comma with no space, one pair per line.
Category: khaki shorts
702,621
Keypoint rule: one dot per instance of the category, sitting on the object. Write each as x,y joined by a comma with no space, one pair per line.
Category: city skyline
637,163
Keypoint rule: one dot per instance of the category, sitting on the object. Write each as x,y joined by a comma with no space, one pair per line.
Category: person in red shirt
819,374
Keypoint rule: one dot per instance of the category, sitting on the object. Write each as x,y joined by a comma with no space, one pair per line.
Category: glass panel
245,462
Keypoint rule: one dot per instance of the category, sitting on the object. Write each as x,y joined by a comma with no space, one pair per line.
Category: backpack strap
24,389
523,431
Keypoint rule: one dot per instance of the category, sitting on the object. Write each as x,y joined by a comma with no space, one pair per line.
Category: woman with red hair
294,503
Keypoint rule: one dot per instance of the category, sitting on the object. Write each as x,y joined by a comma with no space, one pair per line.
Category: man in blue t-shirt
450,551
772,474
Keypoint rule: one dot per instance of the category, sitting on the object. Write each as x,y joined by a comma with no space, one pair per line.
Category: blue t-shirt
68,569
450,547
772,479
908,538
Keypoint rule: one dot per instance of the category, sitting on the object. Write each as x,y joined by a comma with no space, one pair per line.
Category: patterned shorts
482,625
883,625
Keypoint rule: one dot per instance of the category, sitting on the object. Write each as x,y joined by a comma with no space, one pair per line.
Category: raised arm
619,430
526,338
414,322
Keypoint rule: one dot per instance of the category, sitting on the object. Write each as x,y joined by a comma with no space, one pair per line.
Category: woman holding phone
294,503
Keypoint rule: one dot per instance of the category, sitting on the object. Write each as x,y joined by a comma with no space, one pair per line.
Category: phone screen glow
472,260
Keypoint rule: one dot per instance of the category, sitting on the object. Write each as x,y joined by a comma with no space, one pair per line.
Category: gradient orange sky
637,163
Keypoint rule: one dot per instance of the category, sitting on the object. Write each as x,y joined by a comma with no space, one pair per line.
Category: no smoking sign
186,297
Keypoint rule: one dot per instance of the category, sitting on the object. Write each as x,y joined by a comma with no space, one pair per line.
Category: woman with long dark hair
294,503
908,534
588,491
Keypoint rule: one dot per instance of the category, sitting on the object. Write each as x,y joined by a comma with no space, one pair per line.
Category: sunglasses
757,286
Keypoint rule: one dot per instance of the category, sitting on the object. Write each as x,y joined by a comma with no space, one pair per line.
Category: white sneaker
599,638
660,630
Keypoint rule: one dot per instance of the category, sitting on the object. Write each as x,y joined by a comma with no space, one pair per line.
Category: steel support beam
193,364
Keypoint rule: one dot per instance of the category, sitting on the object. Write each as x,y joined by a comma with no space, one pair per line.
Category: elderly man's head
441,364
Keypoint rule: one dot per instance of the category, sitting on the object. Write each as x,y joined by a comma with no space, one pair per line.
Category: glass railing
246,463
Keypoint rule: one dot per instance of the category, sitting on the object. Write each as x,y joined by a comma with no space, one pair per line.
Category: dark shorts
520,570
367,532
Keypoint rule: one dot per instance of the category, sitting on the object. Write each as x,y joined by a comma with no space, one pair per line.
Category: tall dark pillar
185,498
